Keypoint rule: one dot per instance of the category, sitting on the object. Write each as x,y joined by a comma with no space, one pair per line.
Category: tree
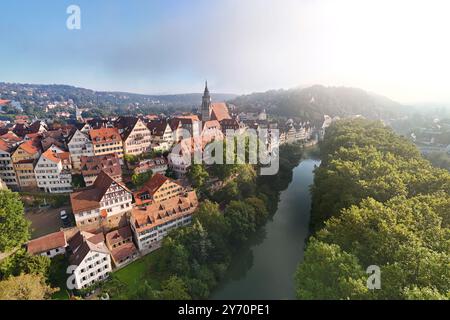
174,289
240,217
25,287
210,217
145,292
139,179
14,228
260,208
174,257
329,273
197,175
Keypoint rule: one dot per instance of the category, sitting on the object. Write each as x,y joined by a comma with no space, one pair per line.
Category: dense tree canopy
376,202
25,287
14,228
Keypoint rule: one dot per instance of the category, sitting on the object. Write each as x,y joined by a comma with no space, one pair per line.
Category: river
265,268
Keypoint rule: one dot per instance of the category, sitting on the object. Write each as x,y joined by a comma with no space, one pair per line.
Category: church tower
206,103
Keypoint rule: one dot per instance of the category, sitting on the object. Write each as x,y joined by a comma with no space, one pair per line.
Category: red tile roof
109,163
46,243
157,213
219,111
102,135
90,197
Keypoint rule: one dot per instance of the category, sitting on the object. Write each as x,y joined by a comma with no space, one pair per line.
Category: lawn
135,273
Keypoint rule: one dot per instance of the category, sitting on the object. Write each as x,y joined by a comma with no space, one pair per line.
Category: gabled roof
109,163
155,182
46,243
89,198
52,156
219,111
29,147
157,128
82,243
119,235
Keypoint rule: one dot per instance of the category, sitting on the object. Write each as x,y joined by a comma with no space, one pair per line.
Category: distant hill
41,94
313,102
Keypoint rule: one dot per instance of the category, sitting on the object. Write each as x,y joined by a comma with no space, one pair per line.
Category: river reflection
265,267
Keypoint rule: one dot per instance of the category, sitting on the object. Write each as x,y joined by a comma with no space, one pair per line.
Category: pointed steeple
206,103
206,93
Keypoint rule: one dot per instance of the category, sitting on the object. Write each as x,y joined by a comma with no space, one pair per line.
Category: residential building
49,245
7,172
121,246
184,127
151,224
135,135
156,165
24,160
79,145
91,167
158,188
104,205
90,258
162,137
52,171
106,141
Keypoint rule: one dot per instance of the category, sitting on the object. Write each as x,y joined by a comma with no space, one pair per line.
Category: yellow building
24,159
106,141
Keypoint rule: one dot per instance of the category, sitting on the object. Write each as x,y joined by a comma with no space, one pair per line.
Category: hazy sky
398,48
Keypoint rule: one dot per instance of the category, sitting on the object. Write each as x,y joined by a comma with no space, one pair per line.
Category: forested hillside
376,201
312,103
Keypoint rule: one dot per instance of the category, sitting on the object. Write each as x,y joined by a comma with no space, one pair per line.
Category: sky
397,48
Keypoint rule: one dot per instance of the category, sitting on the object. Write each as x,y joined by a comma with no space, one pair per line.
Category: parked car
65,219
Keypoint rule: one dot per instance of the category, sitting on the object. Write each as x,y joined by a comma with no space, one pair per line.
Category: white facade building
52,172
91,259
80,145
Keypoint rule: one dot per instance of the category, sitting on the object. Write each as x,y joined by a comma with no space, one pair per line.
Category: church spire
206,88
206,103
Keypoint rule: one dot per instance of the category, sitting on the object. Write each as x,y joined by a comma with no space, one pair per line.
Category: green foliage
25,287
139,179
377,202
78,181
14,228
194,259
174,289
241,218
22,262
131,159
330,273
197,175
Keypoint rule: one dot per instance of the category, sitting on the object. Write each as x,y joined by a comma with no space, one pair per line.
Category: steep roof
119,235
219,111
82,243
46,243
157,128
155,182
89,198
109,163
52,156
29,147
